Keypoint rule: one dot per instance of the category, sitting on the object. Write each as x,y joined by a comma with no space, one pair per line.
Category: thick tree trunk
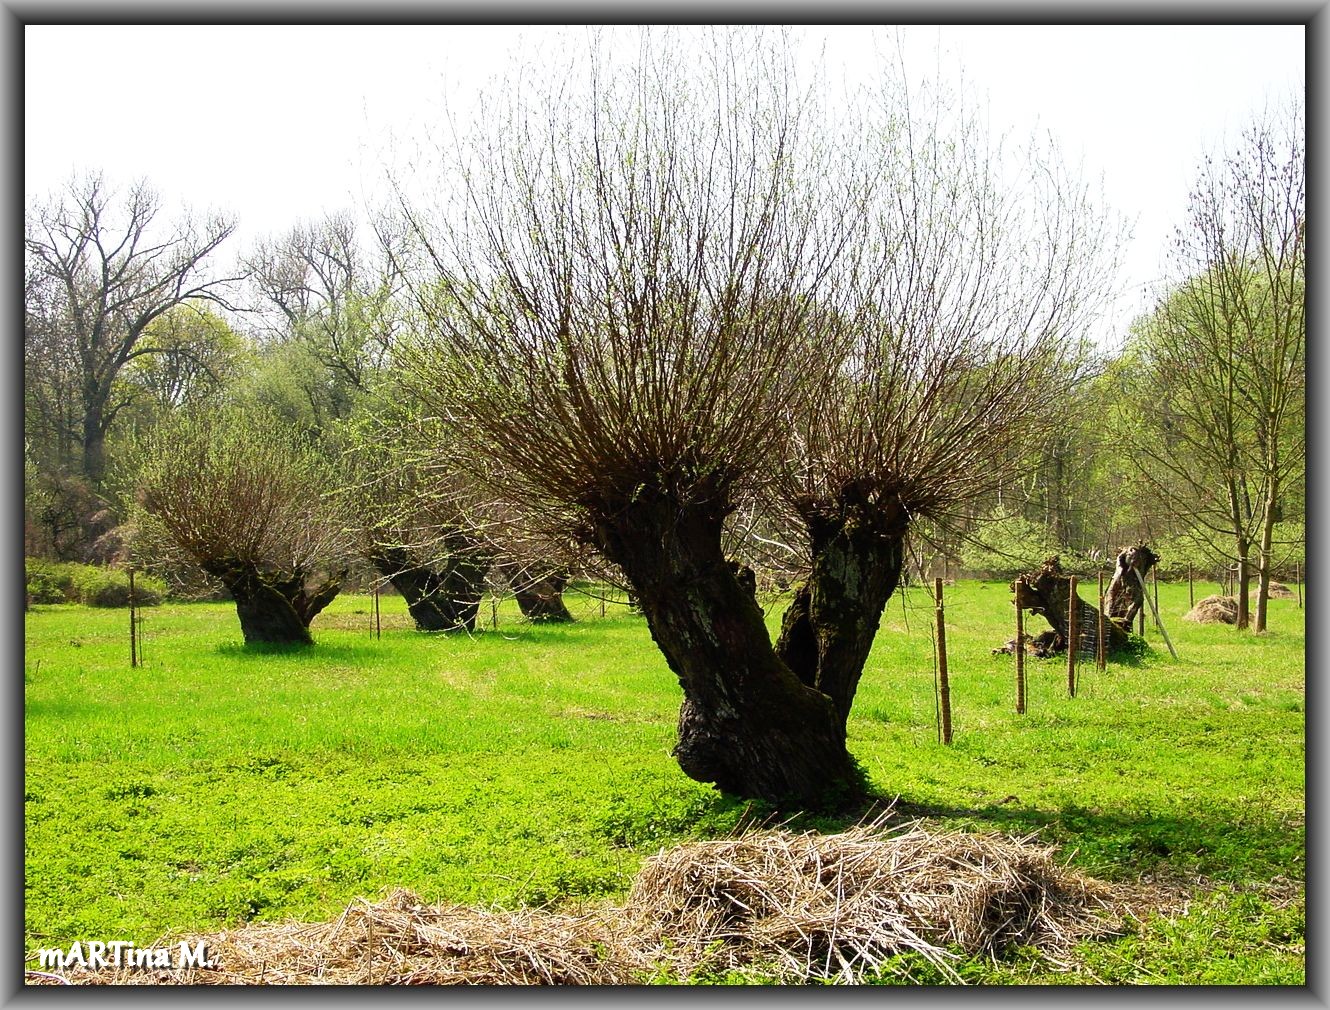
747,723
1126,593
274,608
1047,592
445,597
829,627
94,446
541,599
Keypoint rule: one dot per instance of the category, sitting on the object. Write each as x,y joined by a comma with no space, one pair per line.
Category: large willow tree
673,286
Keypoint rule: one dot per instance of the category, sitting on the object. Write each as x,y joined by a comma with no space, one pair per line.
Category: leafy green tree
1218,425
197,355
1008,544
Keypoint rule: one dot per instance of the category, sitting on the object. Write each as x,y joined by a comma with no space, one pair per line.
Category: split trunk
747,722
441,597
275,607
1126,593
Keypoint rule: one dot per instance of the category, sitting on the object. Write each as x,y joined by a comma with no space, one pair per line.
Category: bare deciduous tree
333,298
675,294
112,270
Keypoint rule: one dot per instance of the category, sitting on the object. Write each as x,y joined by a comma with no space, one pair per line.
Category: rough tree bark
1126,595
441,597
747,723
275,607
1047,592
829,626
539,593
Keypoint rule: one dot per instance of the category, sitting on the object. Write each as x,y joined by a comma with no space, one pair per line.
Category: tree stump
1126,593
1047,592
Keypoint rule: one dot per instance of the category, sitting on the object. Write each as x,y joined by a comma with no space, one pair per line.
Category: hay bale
1214,610
801,907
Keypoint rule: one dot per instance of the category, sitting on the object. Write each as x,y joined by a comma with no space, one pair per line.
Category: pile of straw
833,906
1214,610
790,906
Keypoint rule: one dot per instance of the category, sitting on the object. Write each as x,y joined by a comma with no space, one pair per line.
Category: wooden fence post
944,688
1020,658
133,637
1101,650
1191,588
1073,637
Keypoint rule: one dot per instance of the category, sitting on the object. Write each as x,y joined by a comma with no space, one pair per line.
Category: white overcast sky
282,123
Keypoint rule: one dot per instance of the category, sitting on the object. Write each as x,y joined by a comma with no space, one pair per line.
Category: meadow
219,784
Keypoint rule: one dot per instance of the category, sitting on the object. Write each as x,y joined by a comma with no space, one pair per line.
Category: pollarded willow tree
666,294
416,523
239,494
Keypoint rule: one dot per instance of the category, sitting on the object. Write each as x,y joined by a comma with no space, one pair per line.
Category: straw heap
790,906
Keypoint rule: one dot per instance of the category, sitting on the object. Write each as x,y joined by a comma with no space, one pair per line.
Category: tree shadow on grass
318,650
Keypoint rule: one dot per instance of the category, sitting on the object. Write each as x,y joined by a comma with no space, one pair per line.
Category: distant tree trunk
541,598
94,440
443,597
829,626
1269,511
1047,592
747,723
1126,595
274,607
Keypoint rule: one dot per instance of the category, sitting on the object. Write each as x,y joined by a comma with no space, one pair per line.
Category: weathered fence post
133,630
1101,651
1158,622
944,688
1073,637
1020,658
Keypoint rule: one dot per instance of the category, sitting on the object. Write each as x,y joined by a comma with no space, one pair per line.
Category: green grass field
218,784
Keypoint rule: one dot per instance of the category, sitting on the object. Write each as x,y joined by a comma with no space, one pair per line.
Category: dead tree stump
1126,593
1047,592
